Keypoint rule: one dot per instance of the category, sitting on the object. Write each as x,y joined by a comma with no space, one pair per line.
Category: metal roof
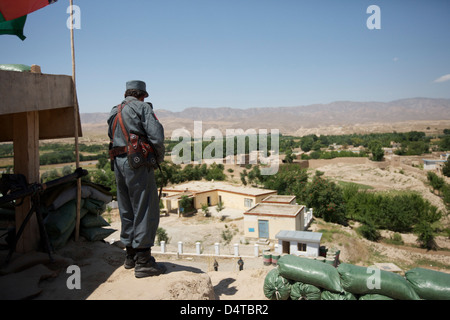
304,236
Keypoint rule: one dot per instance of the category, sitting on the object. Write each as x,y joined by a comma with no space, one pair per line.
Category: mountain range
301,119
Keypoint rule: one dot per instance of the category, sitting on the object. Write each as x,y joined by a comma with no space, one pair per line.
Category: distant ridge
290,119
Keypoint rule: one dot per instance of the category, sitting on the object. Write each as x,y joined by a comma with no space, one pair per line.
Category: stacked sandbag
60,223
59,209
429,284
328,295
304,291
313,272
309,279
276,287
361,281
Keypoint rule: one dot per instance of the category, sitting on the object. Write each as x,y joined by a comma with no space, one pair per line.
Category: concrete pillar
256,252
217,249
163,247
180,247
198,246
236,250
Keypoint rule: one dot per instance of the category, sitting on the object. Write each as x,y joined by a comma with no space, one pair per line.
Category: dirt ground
191,276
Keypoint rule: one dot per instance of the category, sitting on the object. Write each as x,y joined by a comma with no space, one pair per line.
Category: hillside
338,117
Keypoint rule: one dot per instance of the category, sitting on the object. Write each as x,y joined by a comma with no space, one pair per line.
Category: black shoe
146,266
130,259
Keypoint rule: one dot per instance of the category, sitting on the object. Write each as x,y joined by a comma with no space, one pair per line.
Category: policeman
137,193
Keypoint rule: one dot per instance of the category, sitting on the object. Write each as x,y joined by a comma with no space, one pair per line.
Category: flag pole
76,116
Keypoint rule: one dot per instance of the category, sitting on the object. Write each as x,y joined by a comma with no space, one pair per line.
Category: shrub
161,235
370,232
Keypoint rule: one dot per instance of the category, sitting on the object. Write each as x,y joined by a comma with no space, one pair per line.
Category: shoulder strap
120,118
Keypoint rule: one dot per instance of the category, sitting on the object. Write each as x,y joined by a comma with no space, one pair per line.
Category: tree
436,182
425,236
369,231
376,150
289,156
307,143
326,198
446,169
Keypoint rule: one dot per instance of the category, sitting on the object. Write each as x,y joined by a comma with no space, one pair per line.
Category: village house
275,213
210,193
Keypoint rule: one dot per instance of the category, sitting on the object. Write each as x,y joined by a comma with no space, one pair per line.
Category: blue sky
242,53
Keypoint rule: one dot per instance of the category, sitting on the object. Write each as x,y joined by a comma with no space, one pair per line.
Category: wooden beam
26,162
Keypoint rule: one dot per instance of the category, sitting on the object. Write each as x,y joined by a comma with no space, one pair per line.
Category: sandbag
15,67
93,220
61,240
328,295
362,280
96,234
310,271
304,291
374,297
276,287
57,222
429,284
94,206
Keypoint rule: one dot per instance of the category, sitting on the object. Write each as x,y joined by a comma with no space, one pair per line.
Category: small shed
34,106
301,243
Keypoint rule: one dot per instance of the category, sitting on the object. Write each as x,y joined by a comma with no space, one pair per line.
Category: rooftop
278,199
305,236
204,186
275,209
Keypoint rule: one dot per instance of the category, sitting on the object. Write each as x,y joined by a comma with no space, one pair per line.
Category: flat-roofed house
280,199
211,192
265,220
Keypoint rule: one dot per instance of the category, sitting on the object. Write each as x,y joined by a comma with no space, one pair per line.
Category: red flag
13,9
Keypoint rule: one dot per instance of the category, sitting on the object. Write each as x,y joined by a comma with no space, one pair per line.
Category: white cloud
395,59
443,78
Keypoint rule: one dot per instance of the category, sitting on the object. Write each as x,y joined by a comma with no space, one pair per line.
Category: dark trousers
137,197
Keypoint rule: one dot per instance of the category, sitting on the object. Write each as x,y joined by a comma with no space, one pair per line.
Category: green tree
425,236
326,198
436,182
289,156
446,169
377,151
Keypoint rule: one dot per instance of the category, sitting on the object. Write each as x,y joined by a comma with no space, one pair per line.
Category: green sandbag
310,271
327,295
57,222
362,280
93,220
96,234
276,287
304,291
429,284
15,67
61,240
374,297
94,206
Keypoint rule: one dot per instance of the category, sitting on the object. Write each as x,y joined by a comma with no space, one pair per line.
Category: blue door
263,227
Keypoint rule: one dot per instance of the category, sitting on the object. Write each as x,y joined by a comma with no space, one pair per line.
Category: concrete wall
312,249
275,225
317,163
